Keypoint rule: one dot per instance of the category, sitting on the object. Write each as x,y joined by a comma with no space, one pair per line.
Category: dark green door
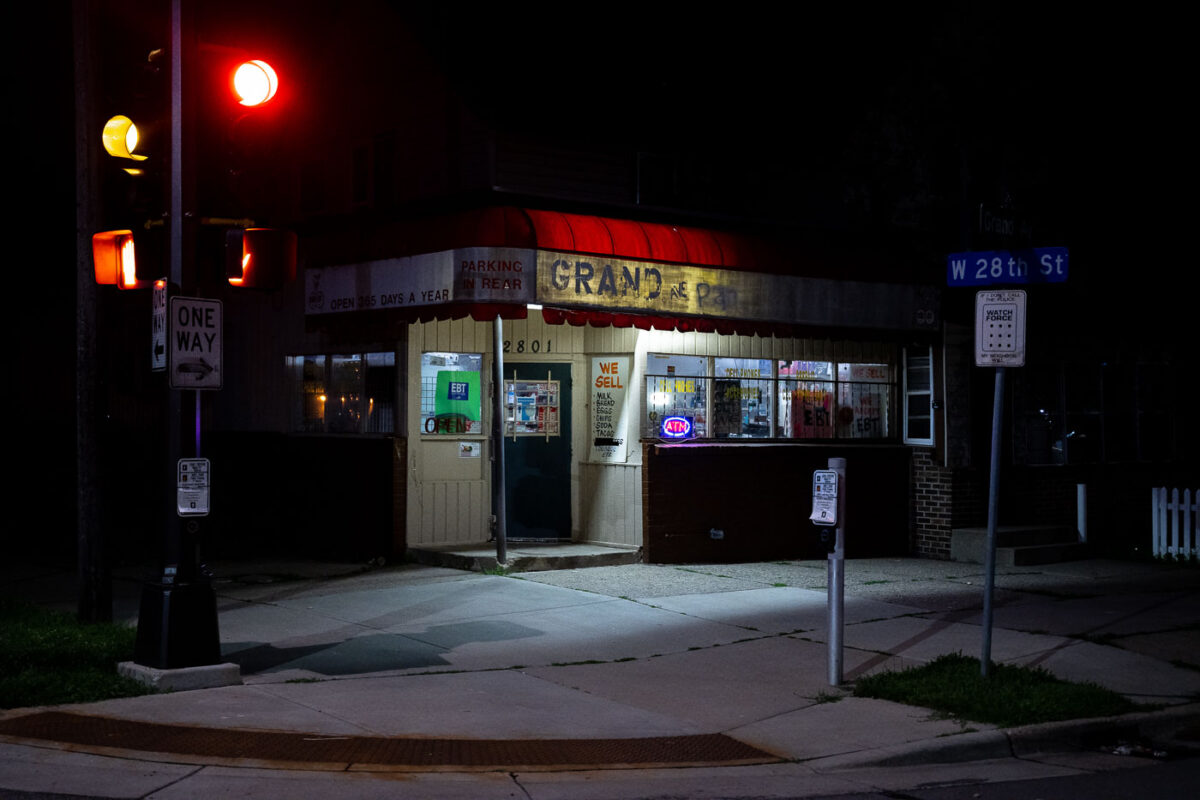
537,467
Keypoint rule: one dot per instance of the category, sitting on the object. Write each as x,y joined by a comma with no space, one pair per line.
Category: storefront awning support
498,417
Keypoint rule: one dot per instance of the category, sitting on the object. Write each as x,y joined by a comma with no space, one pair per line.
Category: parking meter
824,508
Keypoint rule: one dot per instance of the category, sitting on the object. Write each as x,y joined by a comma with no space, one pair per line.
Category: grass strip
1008,697
48,657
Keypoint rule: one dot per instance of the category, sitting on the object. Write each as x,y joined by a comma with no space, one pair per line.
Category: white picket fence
1176,529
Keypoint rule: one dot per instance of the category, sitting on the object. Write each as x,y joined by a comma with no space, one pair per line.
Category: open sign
675,427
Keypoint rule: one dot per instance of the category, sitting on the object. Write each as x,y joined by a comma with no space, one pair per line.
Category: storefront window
806,393
742,398
864,401
307,377
343,406
343,393
760,398
380,385
676,386
451,399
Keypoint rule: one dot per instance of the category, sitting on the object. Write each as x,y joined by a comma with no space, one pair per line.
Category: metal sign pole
999,343
498,418
837,577
989,580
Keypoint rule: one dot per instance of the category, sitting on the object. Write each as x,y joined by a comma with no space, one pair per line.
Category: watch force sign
194,343
1000,329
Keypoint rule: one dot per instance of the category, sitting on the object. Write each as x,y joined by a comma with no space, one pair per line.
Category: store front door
537,451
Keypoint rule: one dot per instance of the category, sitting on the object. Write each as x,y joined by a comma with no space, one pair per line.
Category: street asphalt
633,681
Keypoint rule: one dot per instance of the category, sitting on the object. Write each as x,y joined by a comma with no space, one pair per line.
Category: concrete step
525,556
1030,555
1018,545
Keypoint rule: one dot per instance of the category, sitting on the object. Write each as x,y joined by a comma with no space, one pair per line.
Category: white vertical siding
449,499
450,502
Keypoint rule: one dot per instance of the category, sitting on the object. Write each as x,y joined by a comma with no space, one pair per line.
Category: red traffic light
115,259
254,82
260,258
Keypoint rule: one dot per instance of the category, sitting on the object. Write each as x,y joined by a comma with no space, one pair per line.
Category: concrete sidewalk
700,681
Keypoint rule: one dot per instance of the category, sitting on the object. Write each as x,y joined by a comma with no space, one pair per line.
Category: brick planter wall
760,496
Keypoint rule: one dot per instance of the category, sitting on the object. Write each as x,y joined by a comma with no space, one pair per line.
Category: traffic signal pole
95,576
177,619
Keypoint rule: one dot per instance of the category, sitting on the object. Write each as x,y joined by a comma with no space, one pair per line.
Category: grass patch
827,697
1010,696
48,657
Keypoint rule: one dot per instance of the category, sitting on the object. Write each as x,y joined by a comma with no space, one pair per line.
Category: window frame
297,395
773,385
909,355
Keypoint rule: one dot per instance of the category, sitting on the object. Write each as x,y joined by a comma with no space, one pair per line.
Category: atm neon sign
675,428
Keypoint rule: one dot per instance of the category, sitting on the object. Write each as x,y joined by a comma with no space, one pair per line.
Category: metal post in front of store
837,576
498,418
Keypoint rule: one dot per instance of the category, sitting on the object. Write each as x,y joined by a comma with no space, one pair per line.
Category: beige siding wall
450,498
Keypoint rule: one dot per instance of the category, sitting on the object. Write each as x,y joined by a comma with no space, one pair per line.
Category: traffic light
240,104
128,260
120,139
260,258
254,83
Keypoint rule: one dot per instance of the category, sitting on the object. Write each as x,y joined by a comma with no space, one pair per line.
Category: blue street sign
991,267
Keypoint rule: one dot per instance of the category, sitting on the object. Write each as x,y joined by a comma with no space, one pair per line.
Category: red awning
509,226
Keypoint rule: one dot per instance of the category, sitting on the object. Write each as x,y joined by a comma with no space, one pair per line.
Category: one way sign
195,343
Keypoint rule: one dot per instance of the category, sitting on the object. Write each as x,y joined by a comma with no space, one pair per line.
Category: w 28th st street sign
1003,267
194,343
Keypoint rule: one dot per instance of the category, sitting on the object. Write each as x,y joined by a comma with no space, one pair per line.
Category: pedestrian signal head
114,259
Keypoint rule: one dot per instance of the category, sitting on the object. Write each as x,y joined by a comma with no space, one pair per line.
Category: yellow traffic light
255,82
120,138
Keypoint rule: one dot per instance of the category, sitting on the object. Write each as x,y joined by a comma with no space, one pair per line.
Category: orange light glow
128,264
114,260
255,83
238,281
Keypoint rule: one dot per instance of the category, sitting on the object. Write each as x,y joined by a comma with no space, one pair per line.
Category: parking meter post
837,577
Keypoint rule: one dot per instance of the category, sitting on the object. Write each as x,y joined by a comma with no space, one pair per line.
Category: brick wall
932,501
760,496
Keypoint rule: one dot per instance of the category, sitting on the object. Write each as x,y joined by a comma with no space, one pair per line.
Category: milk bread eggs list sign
610,381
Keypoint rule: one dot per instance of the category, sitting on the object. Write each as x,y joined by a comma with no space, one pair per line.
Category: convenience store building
618,336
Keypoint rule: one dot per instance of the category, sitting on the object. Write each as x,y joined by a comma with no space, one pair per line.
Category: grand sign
611,284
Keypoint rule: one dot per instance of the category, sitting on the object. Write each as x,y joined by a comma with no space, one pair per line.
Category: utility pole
95,579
